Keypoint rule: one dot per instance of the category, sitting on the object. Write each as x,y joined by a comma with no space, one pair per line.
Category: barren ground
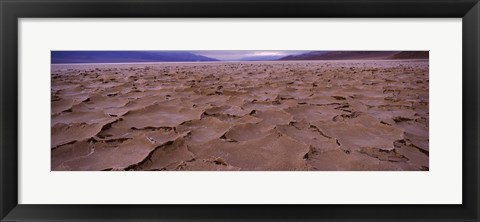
302,115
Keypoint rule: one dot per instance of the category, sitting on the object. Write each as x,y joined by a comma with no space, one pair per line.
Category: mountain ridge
358,55
63,57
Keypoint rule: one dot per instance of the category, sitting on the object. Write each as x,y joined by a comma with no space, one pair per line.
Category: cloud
238,54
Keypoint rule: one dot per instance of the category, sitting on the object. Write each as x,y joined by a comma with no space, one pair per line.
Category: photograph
269,110
239,110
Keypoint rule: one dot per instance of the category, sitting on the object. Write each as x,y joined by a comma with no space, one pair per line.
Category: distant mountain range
62,57
358,55
261,58
58,57
411,55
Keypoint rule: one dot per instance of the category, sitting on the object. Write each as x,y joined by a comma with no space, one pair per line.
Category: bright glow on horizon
240,54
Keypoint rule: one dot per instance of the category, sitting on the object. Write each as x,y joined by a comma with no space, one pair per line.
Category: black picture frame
12,10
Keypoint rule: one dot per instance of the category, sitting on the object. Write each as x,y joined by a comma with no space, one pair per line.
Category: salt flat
253,116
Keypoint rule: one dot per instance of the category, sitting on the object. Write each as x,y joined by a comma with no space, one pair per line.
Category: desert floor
295,115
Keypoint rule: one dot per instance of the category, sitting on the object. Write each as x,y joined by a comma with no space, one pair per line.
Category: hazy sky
233,54
167,56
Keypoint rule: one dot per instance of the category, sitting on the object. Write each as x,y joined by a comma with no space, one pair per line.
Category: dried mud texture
250,116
